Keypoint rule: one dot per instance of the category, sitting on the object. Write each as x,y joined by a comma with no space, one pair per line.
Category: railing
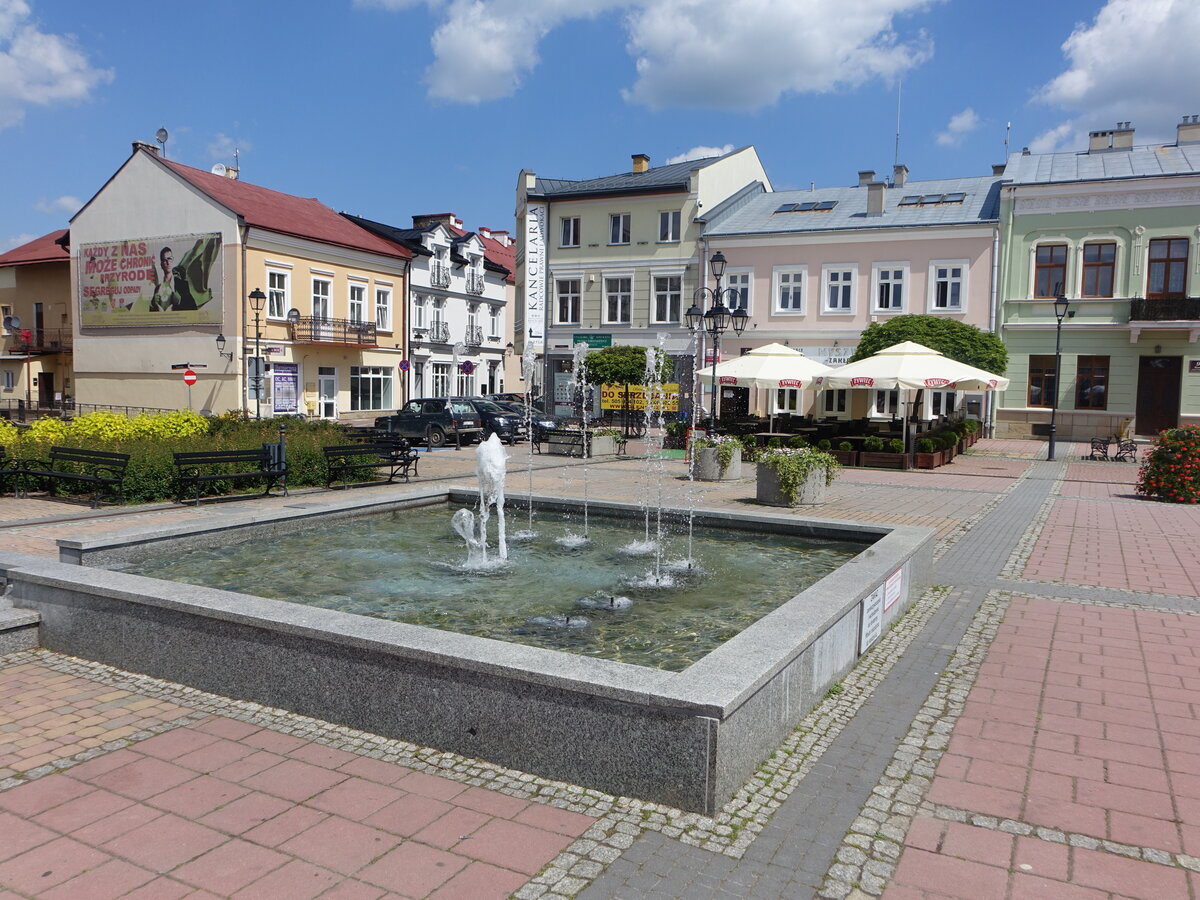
439,332
1185,308
19,410
439,275
313,330
473,336
474,283
45,340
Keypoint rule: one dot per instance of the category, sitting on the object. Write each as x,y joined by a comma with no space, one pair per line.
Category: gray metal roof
758,214
1103,165
676,176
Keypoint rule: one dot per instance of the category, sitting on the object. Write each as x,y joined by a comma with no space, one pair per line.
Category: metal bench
394,454
214,468
1099,449
101,469
1126,451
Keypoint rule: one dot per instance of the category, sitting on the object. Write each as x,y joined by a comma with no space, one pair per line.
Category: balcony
313,330
474,283
1184,309
439,275
439,332
40,340
473,336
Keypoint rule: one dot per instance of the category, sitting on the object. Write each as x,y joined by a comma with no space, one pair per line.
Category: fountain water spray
490,464
528,370
579,354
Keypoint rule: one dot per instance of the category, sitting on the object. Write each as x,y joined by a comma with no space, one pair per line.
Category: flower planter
883,460
770,491
845,457
708,465
566,443
929,460
603,446
950,452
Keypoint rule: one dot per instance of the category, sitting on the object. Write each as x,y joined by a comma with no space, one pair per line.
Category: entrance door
46,389
327,392
735,401
1158,393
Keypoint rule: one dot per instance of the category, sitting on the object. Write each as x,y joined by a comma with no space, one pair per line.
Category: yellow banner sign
612,397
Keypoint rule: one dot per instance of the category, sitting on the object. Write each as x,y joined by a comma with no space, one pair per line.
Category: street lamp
221,348
1061,304
257,300
716,321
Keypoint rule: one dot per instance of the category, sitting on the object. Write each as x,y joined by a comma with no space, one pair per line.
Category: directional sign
189,377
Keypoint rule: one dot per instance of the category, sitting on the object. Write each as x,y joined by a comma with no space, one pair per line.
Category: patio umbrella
770,367
910,366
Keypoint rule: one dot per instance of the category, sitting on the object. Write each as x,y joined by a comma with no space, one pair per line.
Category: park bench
214,468
375,452
1099,449
1126,449
100,469
563,441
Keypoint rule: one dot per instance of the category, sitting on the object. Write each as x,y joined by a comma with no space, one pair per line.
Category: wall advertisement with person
169,281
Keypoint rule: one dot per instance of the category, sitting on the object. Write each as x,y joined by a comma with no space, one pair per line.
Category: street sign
592,340
189,377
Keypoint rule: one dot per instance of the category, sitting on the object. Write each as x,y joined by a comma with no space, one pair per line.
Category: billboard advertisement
171,281
612,397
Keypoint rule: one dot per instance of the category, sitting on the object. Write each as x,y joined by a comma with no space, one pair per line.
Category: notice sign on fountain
872,619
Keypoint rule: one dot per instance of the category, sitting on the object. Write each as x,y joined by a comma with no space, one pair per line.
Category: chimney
1123,136
1099,140
899,175
145,145
450,220
1188,131
865,176
876,191
998,169
641,162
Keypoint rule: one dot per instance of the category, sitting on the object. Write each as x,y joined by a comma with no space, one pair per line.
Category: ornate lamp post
1061,305
257,300
716,321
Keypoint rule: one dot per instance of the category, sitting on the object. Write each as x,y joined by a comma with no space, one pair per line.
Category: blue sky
389,108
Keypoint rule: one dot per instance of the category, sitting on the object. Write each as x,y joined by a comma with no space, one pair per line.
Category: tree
964,343
624,364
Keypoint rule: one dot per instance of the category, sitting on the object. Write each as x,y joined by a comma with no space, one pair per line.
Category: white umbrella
770,367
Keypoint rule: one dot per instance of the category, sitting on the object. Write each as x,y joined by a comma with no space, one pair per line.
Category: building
167,264
35,324
459,336
813,268
1113,229
615,259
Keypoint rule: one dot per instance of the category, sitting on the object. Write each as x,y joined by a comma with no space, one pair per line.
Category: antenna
161,136
237,159
1007,134
899,91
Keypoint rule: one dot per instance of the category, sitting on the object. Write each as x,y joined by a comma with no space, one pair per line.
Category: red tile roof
286,214
39,250
505,256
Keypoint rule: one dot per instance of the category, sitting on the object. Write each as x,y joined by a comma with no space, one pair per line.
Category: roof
495,259
40,250
947,201
502,255
674,177
304,217
1104,165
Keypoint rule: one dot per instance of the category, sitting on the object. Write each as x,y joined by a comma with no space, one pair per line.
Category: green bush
826,444
895,445
873,444
926,445
775,443
844,446
796,441
1170,471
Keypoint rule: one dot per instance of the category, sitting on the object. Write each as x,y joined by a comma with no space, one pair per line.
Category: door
735,401
46,390
1158,393
327,392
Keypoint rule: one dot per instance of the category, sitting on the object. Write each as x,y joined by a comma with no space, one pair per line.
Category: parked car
535,402
435,419
497,419
541,422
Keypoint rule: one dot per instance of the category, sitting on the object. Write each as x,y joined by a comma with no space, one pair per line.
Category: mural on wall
172,281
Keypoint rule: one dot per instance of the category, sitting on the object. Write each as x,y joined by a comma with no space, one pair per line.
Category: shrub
926,445
873,444
895,445
796,441
8,433
844,446
1170,470
826,444
775,443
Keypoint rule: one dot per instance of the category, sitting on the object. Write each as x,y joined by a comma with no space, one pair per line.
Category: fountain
572,540
490,464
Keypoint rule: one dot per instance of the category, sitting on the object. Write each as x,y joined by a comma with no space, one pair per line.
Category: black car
498,419
535,402
435,419
541,422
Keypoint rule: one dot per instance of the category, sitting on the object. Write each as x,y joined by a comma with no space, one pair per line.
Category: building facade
36,369
1115,230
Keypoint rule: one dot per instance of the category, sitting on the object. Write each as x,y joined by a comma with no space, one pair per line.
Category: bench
395,454
563,441
196,469
1126,451
101,469
1099,449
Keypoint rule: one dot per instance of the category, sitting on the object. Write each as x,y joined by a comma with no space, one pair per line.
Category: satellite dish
161,135
219,169
12,323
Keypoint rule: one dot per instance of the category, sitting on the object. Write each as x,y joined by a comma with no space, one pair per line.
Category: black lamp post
257,300
716,321
221,348
1061,303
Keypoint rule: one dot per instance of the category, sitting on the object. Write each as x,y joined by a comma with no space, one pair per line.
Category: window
494,323
494,385
787,400
619,229
570,231
370,387
885,404
668,226
1168,269
1050,270
320,298
418,378
1099,263
5,312
667,292
618,296
948,279
438,314
472,317
941,403
789,290
441,379
277,294
739,282
1091,382
418,312
10,379
358,302
839,289
383,309
834,403
1041,381
466,383
889,288
568,300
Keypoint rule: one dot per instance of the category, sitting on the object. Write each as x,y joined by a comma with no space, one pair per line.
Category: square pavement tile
245,813
294,880
479,881
165,843
408,815
514,846
355,798
413,870
230,867
115,878
49,864
294,780
143,778
340,844
35,797
20,835
197,797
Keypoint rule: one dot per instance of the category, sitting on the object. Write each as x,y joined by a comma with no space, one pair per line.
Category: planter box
571,444
883,460
929,460
708,465
951,452
845,457
770,492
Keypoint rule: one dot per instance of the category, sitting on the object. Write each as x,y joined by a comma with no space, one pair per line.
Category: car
498,420
523,399
434,420
541,422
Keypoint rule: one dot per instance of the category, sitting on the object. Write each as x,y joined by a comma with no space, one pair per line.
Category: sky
390,108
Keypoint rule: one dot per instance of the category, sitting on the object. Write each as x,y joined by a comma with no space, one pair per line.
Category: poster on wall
168,281
285,387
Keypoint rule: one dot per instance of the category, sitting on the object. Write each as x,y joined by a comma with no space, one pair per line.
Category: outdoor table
764,436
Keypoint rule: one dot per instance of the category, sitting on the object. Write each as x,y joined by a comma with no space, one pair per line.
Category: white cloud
222,146
699,153
39,68
64,204
1135,62
960,125
690,53
13,242
1061,137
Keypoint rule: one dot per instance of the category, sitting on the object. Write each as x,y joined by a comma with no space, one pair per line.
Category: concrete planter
708,465
811,492
571,444
603,446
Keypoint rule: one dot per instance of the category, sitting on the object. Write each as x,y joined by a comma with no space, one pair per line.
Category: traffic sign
189,377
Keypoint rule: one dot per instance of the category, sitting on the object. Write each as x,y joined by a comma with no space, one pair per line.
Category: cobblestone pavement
908,779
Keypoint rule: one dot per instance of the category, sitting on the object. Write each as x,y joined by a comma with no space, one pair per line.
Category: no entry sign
189,377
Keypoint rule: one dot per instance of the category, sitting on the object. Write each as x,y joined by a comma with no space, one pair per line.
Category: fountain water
528,370
490,465
583,392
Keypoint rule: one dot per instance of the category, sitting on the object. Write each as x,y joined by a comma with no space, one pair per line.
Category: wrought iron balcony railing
439,275
474,283
43,340
1182,309
313,330
473,336
439,332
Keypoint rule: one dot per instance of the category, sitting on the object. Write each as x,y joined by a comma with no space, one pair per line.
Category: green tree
964,343
623,364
